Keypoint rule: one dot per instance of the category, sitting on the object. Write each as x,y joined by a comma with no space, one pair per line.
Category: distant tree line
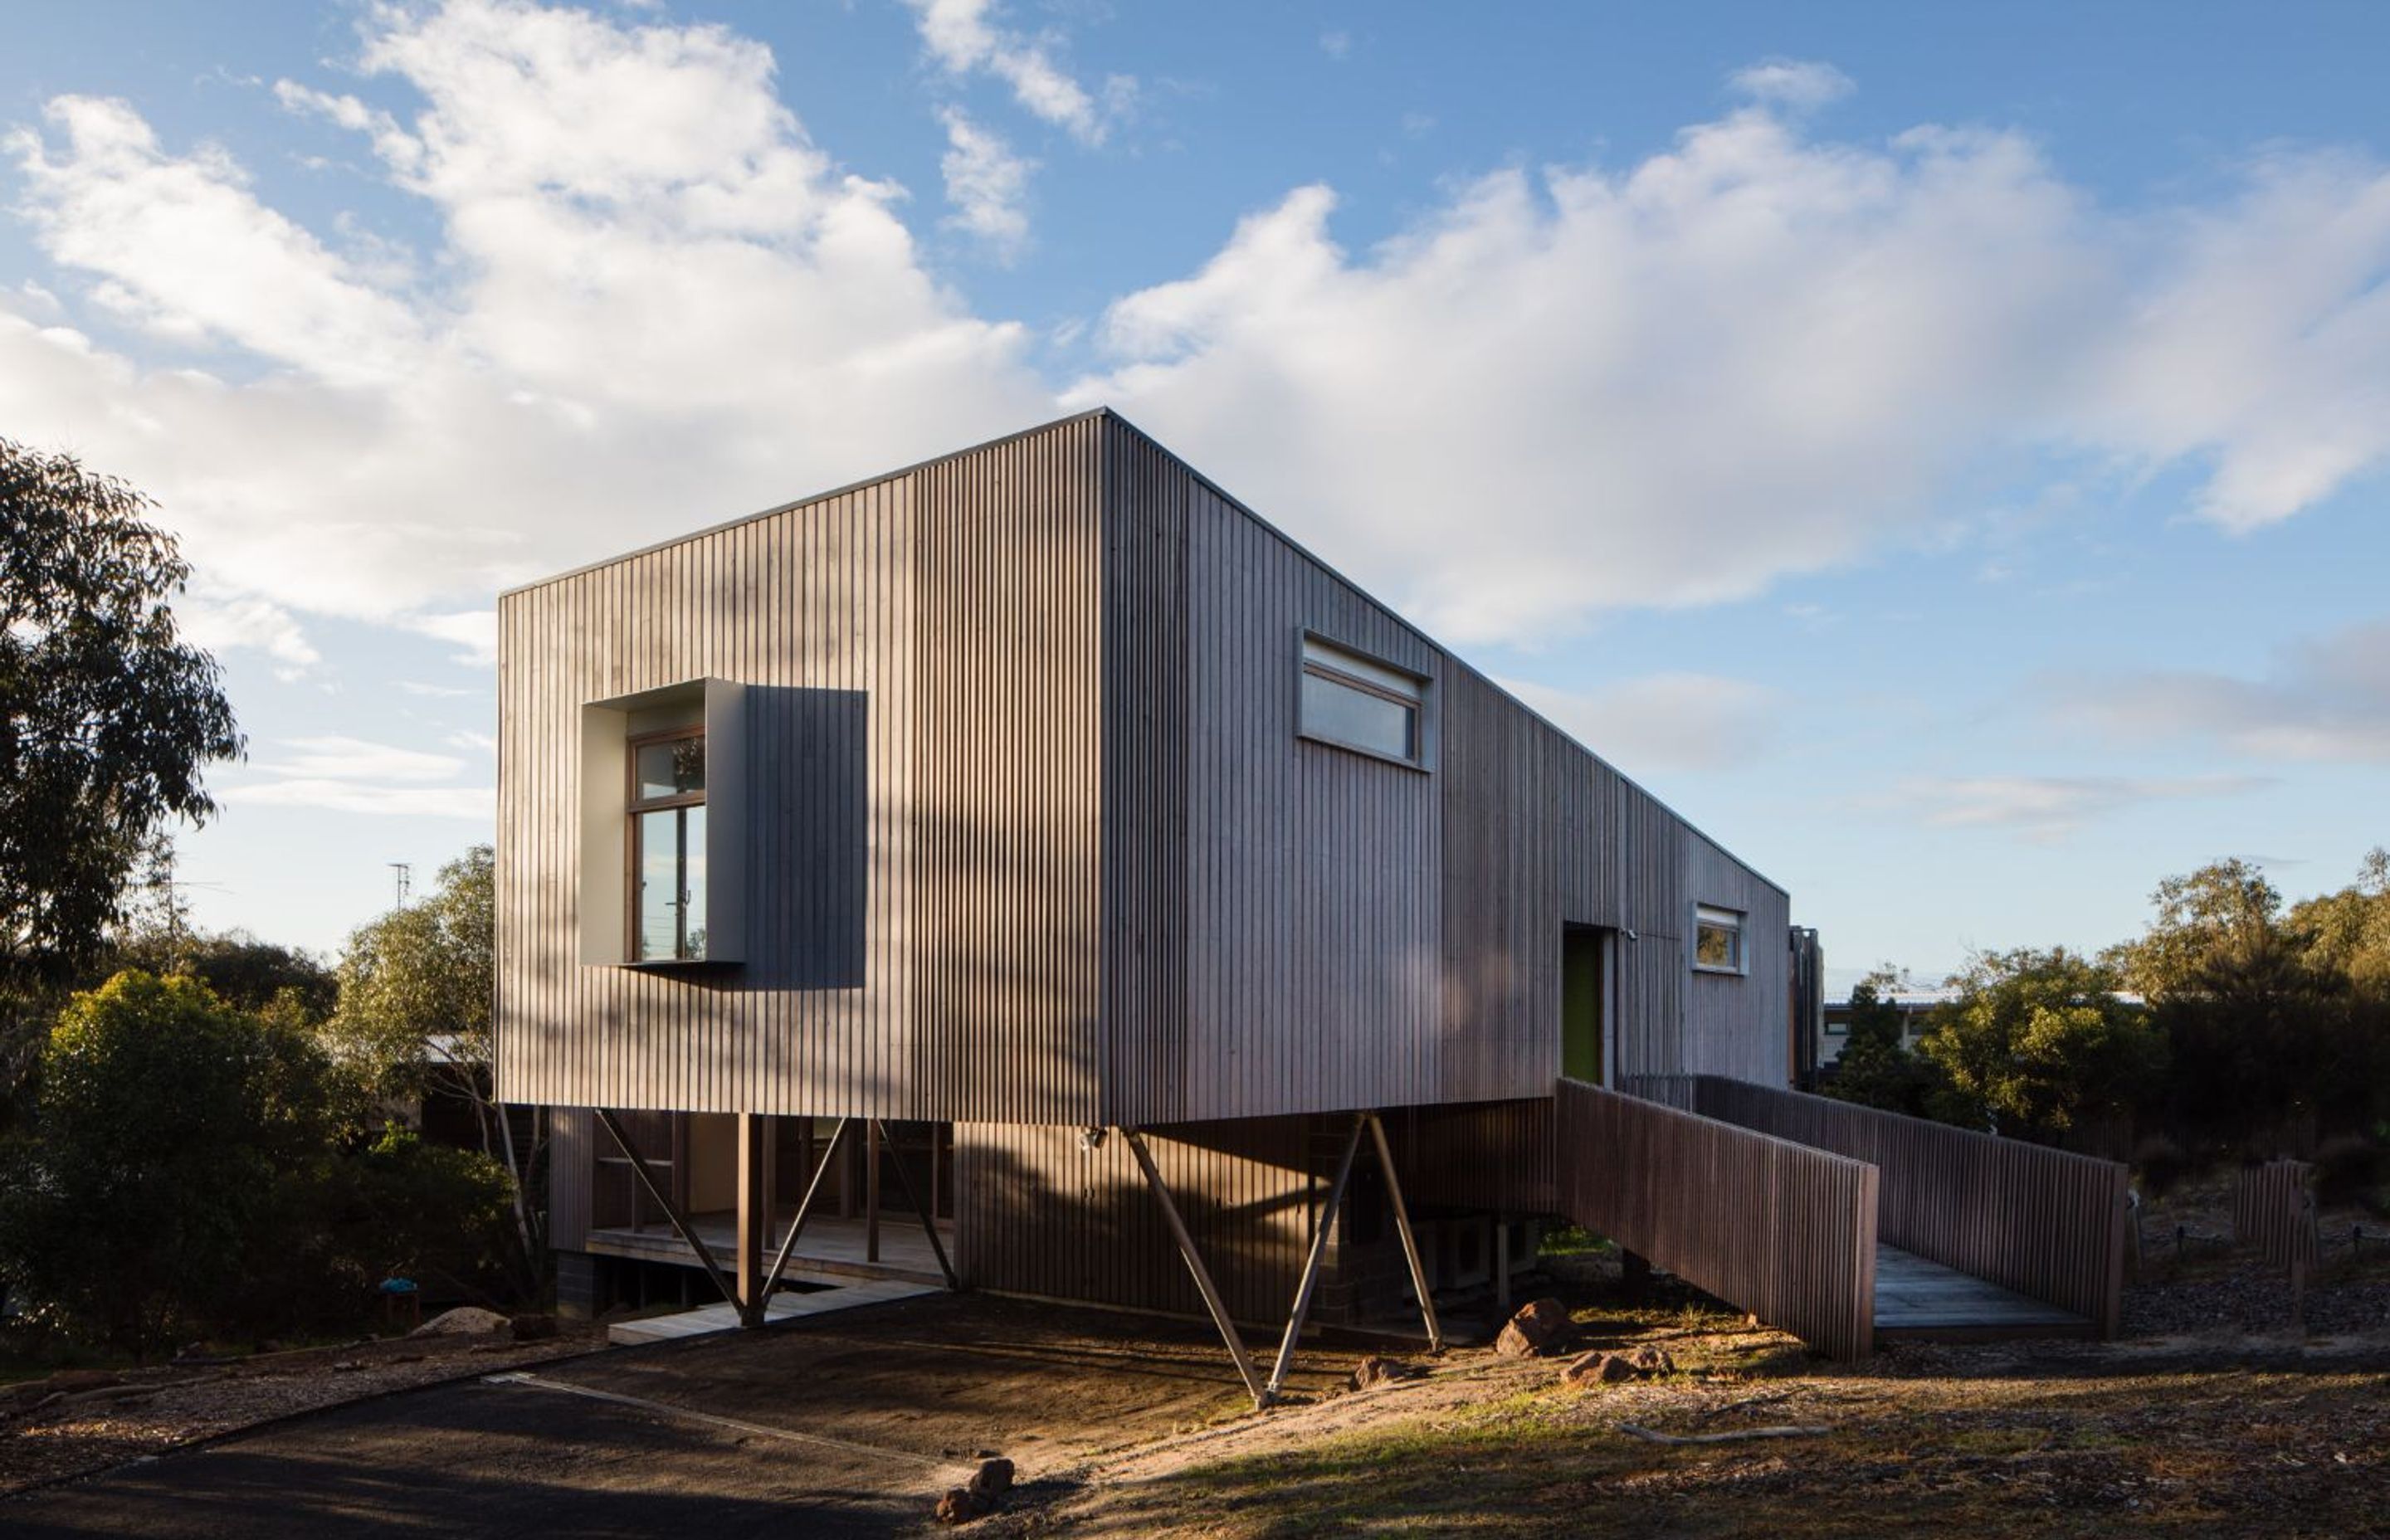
202,1136
2233,1027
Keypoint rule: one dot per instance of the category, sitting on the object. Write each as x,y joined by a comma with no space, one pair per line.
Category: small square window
1717,939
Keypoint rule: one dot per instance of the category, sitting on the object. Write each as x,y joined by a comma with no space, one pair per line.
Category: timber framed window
667,845
665,831
1359,703
1717,939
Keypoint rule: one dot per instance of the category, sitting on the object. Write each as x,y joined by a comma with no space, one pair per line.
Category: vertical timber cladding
951,614
1314,904
1040,1213
810,607
1147,498
1723,1010
1008,972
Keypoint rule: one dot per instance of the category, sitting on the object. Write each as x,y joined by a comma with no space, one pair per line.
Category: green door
1581,997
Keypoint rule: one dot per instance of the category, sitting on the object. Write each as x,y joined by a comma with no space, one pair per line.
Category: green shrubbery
194,1169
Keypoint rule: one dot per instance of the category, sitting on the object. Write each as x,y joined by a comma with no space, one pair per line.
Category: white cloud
654,302
482,743
1663,721
477,803
1337,44
2327,700
987,183
2048,808
1798,83
350,775
221,624
651,300
333,757
1752,355
964,38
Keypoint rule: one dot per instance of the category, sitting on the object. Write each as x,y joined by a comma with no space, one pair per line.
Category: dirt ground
846,1424
851,1424
2214,1432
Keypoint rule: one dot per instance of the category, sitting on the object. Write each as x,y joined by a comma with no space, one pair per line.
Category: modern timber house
1038,833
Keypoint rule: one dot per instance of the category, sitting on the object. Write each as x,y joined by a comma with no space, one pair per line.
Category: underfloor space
840,1247
1921,1301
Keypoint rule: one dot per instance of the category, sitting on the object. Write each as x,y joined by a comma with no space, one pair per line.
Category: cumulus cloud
1663,721
965,37
2325,700
654,302
2048,808
988,184
650,299
1753,354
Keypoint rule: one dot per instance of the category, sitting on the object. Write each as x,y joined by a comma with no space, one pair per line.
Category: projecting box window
1357,702
663,827
1717,939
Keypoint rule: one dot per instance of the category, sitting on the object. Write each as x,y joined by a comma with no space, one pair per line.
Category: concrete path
829,1293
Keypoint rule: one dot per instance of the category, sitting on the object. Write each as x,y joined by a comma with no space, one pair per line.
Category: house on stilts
1030,871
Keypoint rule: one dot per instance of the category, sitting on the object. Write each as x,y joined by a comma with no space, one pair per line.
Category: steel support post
1310,1279
929,1220
1194,1260
671,1211
1402,1227
806,1205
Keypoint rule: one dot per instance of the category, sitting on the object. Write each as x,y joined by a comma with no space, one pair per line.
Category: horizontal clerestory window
1358,703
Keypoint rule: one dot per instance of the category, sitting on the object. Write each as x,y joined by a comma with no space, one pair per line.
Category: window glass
658,923
693,882
1717,938
1332,709
675,767
1359,702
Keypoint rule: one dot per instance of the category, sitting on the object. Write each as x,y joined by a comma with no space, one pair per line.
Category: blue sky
1939,450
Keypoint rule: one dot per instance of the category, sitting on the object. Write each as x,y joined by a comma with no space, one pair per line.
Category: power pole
405,873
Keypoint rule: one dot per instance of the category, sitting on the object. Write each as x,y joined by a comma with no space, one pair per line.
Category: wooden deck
1919,1301
836,1247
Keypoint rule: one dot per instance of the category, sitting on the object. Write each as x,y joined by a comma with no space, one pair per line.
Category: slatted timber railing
2043,1222
2272,1211
1780,1229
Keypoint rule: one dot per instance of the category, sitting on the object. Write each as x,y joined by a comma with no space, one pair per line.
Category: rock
1376,1369
466,1320
348,1365
1597,1368
1539,1330
992,1480
72,1381
958,1506
532,1328
1653,1361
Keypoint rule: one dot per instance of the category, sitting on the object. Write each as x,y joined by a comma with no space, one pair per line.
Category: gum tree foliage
2275,1019
416,990
2037,1041
106,718
107,714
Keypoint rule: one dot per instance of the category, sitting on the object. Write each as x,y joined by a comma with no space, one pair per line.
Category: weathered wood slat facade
1785,1230
2045,1223
1037,839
